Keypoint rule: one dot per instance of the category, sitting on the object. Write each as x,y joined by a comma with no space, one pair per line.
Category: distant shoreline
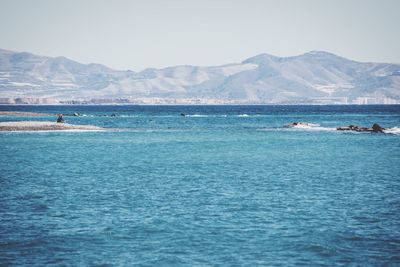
132,104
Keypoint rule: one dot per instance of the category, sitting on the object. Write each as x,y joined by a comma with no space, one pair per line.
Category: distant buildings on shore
198,101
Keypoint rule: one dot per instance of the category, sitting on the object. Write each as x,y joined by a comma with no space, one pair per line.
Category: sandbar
44,126
23,114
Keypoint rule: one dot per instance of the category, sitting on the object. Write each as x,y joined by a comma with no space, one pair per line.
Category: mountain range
315,77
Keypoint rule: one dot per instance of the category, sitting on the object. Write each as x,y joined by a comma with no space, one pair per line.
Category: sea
202,186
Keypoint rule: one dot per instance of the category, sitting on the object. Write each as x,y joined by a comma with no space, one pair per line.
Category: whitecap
197,115
311,127
393,130
127,116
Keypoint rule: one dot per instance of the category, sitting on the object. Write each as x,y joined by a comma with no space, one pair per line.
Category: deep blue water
223,186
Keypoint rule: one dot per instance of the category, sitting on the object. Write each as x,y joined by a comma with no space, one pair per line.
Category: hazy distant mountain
314,77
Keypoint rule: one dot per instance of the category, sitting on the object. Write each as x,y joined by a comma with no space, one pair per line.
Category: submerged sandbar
44,126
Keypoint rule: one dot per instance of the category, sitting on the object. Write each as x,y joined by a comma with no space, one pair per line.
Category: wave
150,130
393,130
310,127
305,126
244,115
206,116
220,115
126,116
197,116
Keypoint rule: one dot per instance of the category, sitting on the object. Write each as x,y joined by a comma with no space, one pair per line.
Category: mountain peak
321,54
258,59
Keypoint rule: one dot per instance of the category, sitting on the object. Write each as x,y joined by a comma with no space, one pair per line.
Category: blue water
227,187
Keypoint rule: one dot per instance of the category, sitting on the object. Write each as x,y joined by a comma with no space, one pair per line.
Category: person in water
60,118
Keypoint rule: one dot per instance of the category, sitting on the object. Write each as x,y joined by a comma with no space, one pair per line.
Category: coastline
24,114
39,126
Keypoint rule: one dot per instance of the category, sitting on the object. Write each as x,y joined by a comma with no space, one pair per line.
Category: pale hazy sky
157,33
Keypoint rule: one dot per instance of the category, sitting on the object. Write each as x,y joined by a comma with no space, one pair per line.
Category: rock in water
376,128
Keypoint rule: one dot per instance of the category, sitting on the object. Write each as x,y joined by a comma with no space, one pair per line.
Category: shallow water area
212,187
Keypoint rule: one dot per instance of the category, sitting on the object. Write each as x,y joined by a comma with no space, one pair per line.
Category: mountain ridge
315,77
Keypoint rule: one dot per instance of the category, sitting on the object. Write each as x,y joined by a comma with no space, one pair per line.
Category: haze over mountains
312,78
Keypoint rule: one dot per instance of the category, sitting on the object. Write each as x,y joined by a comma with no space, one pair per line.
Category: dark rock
364,129
348,128
60,118
343,129
376,128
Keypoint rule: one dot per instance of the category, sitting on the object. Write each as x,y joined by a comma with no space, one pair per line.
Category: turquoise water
224,185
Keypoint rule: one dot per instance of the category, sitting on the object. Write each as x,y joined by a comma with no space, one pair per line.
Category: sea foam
393,130
311,127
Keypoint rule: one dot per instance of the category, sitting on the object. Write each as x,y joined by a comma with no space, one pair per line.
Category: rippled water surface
223,185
